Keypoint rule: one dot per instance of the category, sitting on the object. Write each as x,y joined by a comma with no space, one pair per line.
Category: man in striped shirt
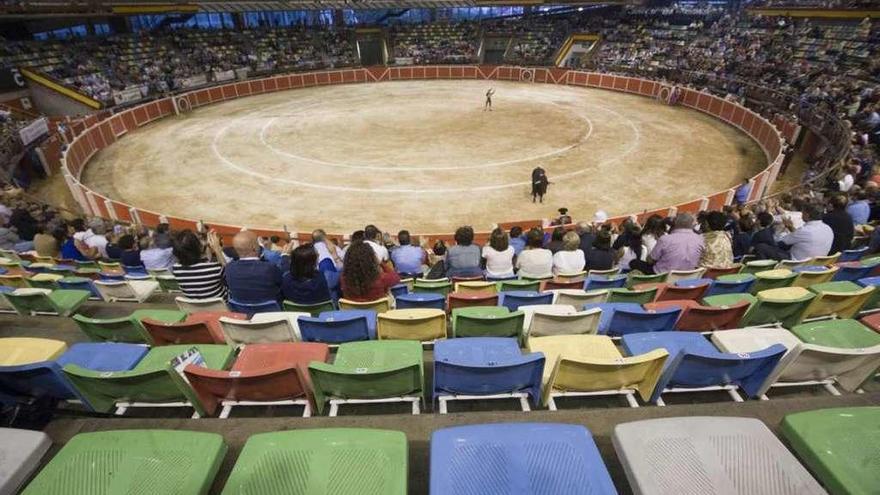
197,276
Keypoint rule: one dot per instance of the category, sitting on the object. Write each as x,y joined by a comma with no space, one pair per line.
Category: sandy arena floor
421,155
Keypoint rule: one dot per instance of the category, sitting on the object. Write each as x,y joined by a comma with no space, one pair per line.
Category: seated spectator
634,247
585,232
437,261
304,284
198,275
327,250
155,257
25,226
68,245
249,279
859,209
364,277
841,223
517,242
766,229
373,238
535,261
717,244
130,253
555,244
408,259
815,238
654,229
601,255
570,259
45,244
463,259
98,239
680,249
742,238
499,255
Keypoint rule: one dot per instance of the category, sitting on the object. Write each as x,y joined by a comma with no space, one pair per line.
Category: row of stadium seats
659,456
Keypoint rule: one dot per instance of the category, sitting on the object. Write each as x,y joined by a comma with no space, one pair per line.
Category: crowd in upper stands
10,125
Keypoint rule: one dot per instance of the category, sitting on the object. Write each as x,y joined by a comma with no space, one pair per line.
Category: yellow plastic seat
476,287
15,351
15,281
422,324
808,278
585,365
379,305
825,260
571,277
843,305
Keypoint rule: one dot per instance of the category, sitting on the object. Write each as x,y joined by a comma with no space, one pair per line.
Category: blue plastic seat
335,329
730,287
399,290
852,254
608,310
637,320
112,276
46,378
78,283
595,282
851,273
513,299
517,458
694,282
135,270
486,366
252,309
369,314
421,300
695,363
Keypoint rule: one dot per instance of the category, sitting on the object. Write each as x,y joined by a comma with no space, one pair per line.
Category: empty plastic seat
804,364
550,309
692,291
338,461
21,451
853,254
793,265
810,275
873,302
595,282
475,287
714,272
456,300
695,454
44,281
561,284
369,372
578,298
126,290
262,375
198,328
840,446
871,321
520,458
754,267
167,283
379,305
635,278
697,365
131,461
485,368
609,272
545,324
674,276
634,319
126,328
825,260
438,287
847,334
731,284
570,277
519,285
274,329
591,365
80,283
851,272
59,302
632,296
514,299
398,290
785,306
337,327
487,321
153,382
312,309
773,279
697,318
421,300
424,325
251,309
189,305
14,280
26,350
838,300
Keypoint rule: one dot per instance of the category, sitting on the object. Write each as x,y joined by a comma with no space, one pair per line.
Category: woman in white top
571,259
498,255
535,261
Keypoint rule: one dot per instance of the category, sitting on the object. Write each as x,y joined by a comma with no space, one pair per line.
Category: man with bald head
250,279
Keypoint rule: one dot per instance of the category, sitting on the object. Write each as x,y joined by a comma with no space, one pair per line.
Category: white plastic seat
20,454
291,317
582,322
262,331
548,309
189,305
126,290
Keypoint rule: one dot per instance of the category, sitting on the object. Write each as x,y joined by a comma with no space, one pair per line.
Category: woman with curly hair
363,277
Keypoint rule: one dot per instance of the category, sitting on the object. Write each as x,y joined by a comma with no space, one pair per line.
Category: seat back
312,309
770,310
849,367
578,298
711,318
115,290
379,305
754,267
842,305
167,333
30,301
238,332
335,330
421,300
14,281
189,305
514,299
167,283
36,380
79,283
521,374
853,254
252,309
441,287
676,275
625,321
632,296
557,284
773,279
584,322
637,278
641,373
847,273
675,293
44,281
735,285
519,285
500,325
825,260
572,277
420,324
124,329
595,282
807,278
476,287
457,300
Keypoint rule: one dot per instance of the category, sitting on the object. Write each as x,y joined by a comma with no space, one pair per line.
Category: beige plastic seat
240,332
544,324
379,305
422,324
676,275
189,305
833,304
578,298
126,290
548,309
808,278
272,316
591,365
476,287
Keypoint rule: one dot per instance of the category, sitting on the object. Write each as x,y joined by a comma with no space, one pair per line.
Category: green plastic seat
133,461
487,321
639,278
370,370
127,328
632,296
735,277
312,309
324,461
167,283
785,306
841,447
152,381
443,287
59,302
773,279
521,284
848,334
722,300
754,267
44,281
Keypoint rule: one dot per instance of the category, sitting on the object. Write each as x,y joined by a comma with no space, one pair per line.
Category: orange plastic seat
714,272
263,374
562,284
872,321
676,293
198,328
698,318
458,300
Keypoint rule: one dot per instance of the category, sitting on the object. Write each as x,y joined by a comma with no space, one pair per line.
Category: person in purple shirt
678,250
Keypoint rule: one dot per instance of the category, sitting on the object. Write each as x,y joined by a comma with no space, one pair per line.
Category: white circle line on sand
557,151
245,170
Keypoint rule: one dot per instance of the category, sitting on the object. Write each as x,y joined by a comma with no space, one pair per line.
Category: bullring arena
396,151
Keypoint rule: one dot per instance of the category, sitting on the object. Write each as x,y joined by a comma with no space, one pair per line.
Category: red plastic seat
198,328
675,293
476,278
262,373
697,318
561,284
872,321
459,300
714,272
